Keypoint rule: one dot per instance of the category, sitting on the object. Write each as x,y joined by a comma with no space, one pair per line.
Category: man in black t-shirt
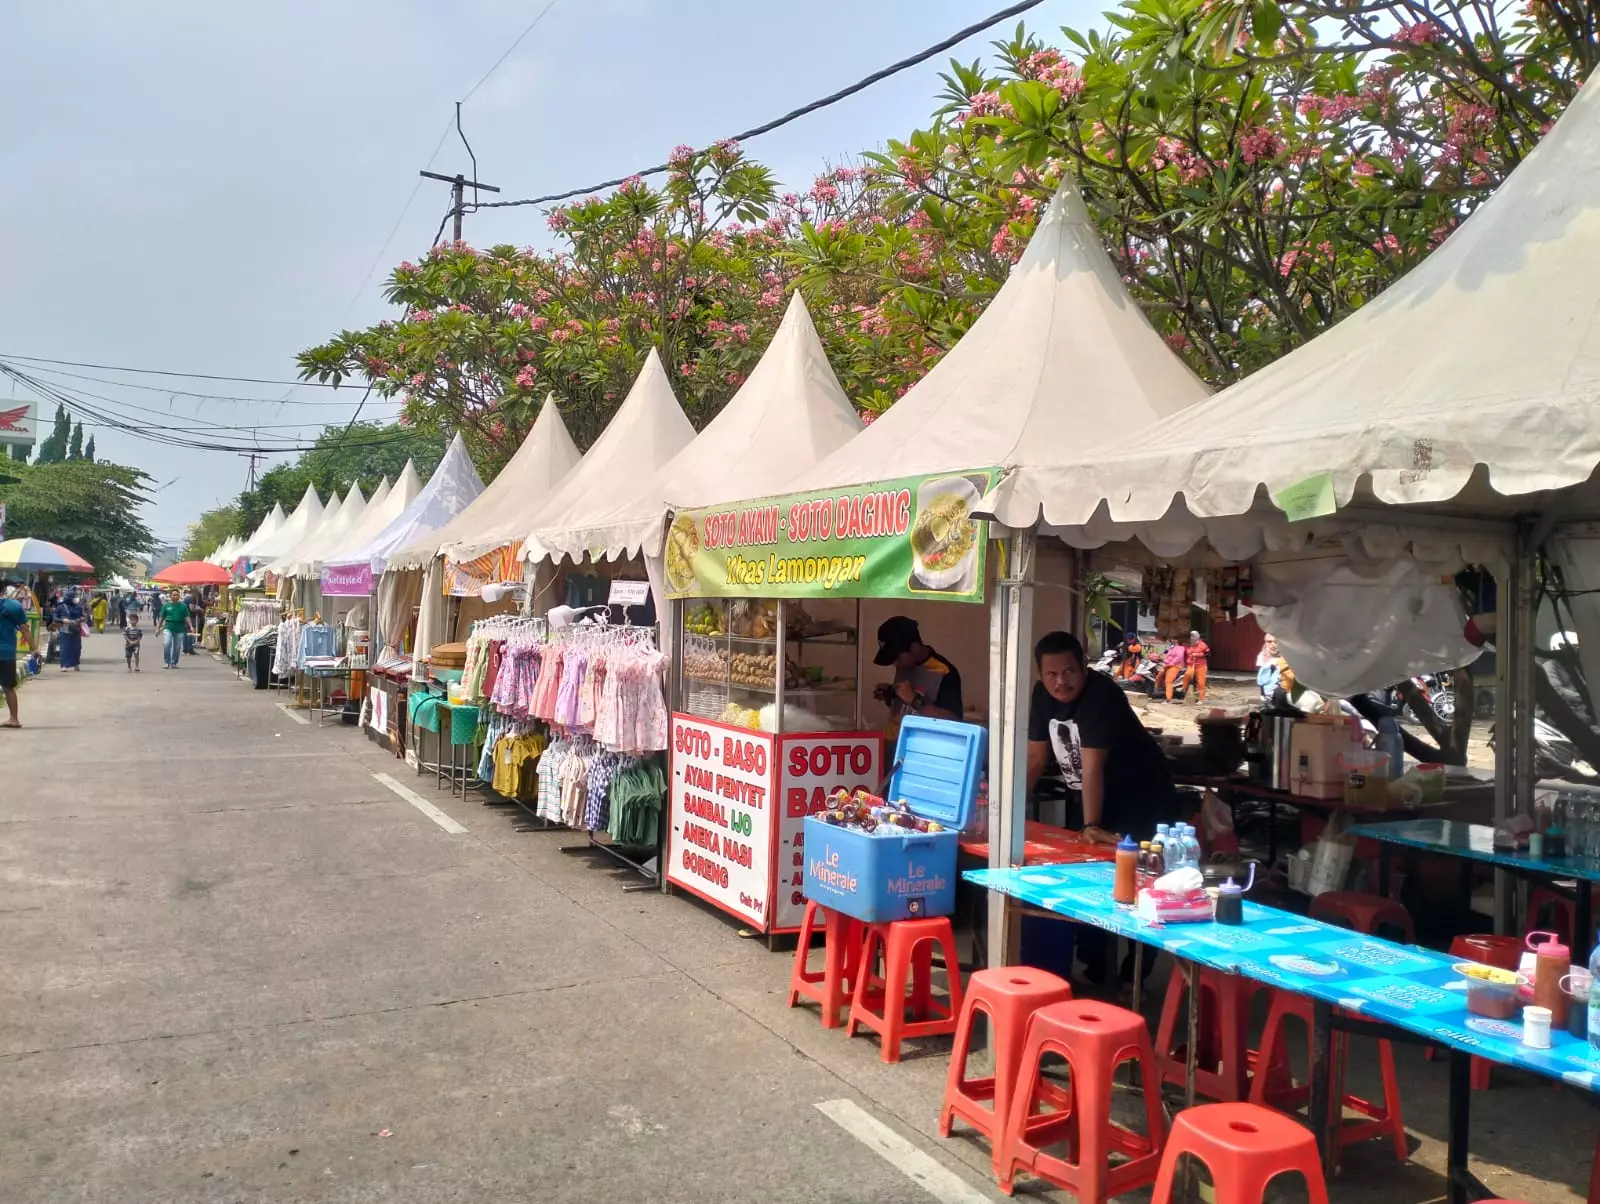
1084,721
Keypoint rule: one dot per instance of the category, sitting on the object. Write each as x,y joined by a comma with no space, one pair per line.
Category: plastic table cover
1406,986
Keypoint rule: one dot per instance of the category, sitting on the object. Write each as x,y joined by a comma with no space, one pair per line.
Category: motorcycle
1555,756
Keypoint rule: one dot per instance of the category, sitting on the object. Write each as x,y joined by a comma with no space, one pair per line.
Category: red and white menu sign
720,810
810,768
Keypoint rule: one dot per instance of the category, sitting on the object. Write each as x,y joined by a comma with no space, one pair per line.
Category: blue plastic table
1475,842
1372,982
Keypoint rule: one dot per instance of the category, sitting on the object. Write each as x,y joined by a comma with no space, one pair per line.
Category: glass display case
771,665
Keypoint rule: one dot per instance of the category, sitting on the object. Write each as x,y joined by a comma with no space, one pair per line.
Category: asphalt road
238,967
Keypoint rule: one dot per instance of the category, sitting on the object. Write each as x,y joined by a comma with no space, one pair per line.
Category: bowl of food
944,535
1491,991
683,545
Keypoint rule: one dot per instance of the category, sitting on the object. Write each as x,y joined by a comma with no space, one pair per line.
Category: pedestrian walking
132,637
13,617
70,618
175,624
97,612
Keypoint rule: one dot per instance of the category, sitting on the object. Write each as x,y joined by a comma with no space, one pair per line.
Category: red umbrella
193,572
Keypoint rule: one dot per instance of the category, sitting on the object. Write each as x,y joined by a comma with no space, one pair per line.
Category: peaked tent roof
378,515
294,527
1487,353
306,559
789,414
448,492
275,519
1062,357
648,429
501,513
290,556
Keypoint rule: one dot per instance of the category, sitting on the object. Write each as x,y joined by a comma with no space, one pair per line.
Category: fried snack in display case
741,657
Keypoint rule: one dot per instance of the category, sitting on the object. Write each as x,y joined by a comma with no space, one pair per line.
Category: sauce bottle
1230,903
1126,888
1553,962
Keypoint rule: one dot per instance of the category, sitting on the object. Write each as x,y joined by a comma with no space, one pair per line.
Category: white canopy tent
294,528
500,514
287,563
1061,357
305,559
275,519
648,429
790,413
451,488
1467,385
378,515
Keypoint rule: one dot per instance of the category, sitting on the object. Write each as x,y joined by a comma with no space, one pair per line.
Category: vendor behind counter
1082,720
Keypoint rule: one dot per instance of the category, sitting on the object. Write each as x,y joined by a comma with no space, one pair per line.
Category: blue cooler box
938,764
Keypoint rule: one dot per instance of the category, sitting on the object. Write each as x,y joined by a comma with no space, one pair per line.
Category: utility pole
458,187
254,459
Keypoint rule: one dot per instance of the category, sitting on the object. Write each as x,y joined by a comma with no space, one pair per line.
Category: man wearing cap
925,683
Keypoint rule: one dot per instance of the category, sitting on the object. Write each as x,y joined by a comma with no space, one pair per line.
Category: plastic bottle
1126,888
1390,742
1550,967
1158,856
1594,999
1189,846
1230,903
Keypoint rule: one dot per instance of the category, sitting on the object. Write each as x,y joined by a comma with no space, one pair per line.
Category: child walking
132,634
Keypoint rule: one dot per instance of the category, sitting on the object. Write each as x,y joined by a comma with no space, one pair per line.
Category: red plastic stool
1222,1071
1245,1147
1490,950
843,937
1363,912
1382,1119
1009,996
1095,1038
880,1003
1543,901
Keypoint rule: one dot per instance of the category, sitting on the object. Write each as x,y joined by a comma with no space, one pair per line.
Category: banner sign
810,768
17,423
345,580
909,538
737,805
720,802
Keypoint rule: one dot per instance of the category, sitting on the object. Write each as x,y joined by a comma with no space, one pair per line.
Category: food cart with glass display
769,689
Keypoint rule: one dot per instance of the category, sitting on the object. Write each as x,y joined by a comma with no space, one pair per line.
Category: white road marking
420,803
942,1185
294,714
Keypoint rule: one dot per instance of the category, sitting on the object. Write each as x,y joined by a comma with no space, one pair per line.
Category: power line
509,50
229,397
794,114
247,380
172,436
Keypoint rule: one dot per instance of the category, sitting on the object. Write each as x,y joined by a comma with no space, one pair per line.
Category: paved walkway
237,967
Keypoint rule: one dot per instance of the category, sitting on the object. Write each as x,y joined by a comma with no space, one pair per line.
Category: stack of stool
1008,996
841,961
1094,1038
880,1003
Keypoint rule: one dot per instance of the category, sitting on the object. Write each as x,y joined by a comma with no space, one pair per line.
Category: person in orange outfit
1172,662
1132,651
1195,657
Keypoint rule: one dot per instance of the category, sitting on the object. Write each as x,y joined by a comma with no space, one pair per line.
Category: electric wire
833,98
228,397
168,435
247,380
508,52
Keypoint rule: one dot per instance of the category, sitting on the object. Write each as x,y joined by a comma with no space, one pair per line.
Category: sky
209,187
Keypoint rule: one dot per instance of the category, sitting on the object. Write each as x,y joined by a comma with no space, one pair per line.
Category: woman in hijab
69,620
